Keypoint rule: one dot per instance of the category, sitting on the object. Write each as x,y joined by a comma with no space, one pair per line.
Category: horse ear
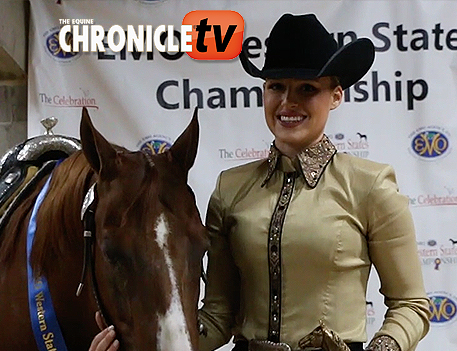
98,151
184,150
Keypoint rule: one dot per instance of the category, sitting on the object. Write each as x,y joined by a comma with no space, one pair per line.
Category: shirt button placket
274,255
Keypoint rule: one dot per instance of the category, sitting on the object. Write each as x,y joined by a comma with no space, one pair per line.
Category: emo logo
430,143
155,144
54,49
443,307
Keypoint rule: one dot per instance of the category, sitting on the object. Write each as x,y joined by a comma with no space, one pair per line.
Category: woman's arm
393,251
221,302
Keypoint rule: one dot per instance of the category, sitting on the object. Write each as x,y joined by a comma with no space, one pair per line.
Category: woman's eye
275,86
308,88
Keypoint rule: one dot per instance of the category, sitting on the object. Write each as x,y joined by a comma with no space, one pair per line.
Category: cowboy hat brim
349,63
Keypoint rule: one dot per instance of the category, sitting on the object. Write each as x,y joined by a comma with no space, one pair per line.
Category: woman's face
296,110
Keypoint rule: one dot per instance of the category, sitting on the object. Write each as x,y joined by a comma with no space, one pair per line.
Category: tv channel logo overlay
216,35
205,35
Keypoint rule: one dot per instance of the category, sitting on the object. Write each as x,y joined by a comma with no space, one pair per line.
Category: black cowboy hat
300,47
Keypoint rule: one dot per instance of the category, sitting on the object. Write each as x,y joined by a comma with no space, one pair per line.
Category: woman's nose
290,98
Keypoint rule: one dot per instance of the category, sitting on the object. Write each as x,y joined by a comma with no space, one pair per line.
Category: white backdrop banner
403,112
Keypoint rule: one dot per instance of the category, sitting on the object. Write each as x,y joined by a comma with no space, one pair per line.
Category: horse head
149,240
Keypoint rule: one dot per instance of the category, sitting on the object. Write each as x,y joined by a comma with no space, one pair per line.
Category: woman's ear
337,97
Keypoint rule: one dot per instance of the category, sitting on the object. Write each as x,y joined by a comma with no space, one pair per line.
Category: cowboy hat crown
299,46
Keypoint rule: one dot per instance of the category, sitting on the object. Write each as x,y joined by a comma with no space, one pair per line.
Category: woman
293,237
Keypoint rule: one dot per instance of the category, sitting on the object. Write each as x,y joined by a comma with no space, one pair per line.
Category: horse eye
113,220
117,257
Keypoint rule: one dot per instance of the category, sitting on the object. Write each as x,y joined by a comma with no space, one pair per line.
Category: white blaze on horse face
172,333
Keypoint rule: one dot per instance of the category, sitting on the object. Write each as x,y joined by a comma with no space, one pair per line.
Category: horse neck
56,255
59,231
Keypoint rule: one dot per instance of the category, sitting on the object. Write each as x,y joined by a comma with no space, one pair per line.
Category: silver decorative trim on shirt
313,160
383,343
274,255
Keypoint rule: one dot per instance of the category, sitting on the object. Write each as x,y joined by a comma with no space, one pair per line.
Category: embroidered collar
312,160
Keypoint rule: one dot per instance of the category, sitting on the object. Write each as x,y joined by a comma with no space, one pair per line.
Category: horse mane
58,219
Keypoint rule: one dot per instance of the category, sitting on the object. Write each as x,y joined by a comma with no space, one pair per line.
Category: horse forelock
172,331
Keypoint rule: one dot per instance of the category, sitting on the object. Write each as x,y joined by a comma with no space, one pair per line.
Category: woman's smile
290,121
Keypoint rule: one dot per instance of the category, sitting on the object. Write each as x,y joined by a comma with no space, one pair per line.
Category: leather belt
265,345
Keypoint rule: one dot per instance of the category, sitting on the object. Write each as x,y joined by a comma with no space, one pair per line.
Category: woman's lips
290,121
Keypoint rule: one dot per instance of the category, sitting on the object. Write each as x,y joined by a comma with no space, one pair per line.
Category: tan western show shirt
292,243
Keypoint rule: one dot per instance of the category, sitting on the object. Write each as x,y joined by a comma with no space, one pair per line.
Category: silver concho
88,200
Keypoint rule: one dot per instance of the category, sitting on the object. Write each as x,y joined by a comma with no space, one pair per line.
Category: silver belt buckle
265,345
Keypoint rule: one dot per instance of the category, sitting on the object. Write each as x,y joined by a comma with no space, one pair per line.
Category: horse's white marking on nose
172,333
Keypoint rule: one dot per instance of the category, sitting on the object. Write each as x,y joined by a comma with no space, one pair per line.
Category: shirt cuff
383,343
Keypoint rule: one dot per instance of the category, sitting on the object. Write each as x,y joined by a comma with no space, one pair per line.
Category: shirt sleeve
393,251
222,291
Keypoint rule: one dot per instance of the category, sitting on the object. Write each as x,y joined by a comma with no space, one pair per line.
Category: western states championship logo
435,256
205,35
371,313
355,144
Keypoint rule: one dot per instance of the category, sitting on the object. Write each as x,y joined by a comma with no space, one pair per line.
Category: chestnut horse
149,242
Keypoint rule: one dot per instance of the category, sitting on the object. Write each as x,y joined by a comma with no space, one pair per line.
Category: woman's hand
106,339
